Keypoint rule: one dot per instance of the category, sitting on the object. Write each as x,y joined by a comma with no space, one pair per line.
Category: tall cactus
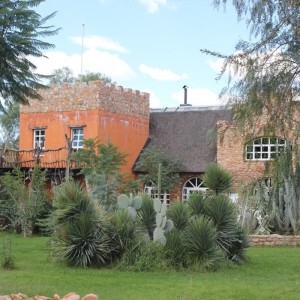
163,224
131,204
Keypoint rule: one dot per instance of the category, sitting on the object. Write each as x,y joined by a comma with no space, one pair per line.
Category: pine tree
20,30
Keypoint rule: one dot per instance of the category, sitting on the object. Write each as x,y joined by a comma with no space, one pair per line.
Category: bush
196,203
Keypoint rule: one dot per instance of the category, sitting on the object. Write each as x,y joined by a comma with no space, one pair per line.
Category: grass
271,273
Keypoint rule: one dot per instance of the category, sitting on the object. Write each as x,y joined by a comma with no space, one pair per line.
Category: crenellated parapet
93,95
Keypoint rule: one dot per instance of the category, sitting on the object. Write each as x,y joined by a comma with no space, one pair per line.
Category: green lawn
271,273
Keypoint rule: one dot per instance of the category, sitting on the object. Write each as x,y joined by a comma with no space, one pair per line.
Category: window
77,138
39,138
150,189
265,148
194,184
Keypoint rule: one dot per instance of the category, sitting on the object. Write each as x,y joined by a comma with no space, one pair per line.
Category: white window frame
39,138
264,148
77,138
150,189
194,184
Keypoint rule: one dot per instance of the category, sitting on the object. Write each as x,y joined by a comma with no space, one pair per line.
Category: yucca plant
217,179
196,204
231,238
174,250
147,214
80,233
200,243
178,212
123,230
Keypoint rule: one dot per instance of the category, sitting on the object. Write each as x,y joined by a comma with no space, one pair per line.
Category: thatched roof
187,134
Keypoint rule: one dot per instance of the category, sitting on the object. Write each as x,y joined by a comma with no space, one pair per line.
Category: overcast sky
147,45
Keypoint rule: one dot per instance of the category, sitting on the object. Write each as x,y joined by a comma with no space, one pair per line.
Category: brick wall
94,95
275,240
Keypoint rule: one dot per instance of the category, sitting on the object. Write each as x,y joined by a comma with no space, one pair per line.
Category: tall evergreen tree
264,74
20,30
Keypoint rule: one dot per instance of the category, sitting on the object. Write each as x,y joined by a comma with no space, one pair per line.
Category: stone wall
275,240
94,95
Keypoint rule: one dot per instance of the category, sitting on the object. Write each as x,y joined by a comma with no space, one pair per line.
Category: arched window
151,190
264,148
192,185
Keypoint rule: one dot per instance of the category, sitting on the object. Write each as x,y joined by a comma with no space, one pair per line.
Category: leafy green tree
20,30
65,74
264,75
100,164
149,163
9,122
24,205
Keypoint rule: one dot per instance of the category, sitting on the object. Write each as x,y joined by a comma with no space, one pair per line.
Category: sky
148,45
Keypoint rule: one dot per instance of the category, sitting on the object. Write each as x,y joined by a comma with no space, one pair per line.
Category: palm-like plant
147,215
178,212
123,230
200,243
80,233
217,179
196,203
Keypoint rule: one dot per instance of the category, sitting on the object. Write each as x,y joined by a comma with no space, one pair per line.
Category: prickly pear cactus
163,224
130,204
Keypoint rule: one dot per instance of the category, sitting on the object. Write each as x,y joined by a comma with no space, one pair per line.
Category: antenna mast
82,52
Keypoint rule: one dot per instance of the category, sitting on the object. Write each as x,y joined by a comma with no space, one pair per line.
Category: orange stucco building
82,111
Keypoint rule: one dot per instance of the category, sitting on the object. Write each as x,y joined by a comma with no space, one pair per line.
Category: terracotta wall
104,111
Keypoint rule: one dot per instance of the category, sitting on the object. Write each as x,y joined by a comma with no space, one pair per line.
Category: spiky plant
231,238
80,233
178,212
174,250
196,203
217,179
200,243
147,214
123,230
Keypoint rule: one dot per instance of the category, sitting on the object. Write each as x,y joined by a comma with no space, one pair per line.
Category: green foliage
8,261
123,229
264,74
200,243
10,121
100,164
146,215
196,203
21,28
178,212
144,256
25,205
149,162
80,228
217,179
65,74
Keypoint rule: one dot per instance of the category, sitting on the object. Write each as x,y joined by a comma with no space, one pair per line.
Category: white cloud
93,61
216,65
153,5
160,74
155,102
99,42
198,97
